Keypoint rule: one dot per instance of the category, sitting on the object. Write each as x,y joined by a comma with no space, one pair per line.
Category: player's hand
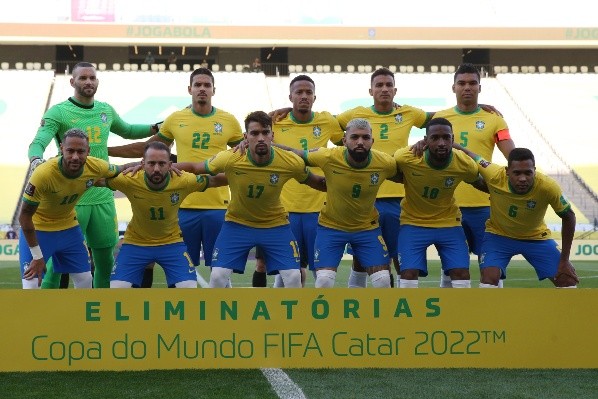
565,274
132,170
396,106
36,268
241,147
418,148
156,127
491,109
279,114
175,171
35,162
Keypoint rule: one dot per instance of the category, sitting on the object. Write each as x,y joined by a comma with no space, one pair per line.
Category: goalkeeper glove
35,162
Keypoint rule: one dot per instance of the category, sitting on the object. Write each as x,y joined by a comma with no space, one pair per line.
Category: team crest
317,131
482,258
399,118
88,183
215,254
174,198
483,163
531,204
480,125
316,254
449,181
274,178
374,178
217,127
104,117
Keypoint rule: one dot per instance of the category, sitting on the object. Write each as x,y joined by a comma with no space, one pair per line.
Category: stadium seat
292,68
144,67
102,66
497,69
29,66
368,68
172,67
444,68
565,69
451,69
186,67
215,67
239,68
197,66
378,67
556,69
134,67
595,68
126,67
410,69
573,68
116,66
542,68
514,69
361,68
299,68
531,68
524,69
5,65
392,68
319,68
403,68
338,68
19,65
154,67
161,67
326,68
309,68
434,68
47,66
37,66
351,68
583,69
420,69
227,67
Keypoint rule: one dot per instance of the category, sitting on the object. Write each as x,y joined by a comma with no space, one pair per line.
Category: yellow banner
140,329
9,250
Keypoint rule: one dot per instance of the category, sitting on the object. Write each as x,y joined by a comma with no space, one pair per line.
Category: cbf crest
174,198
274,178
531,204
88,183
104,117
480,125
449,182
374,178
399,118
218,128
317,131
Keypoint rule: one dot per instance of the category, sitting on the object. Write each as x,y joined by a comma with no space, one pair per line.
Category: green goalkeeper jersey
98,120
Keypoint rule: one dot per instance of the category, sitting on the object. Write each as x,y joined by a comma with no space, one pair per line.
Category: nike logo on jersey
284,129
336,172
182,125
137,197
416,174
240,173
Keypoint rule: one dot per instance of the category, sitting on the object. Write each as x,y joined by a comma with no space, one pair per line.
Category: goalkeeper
96,211
519,197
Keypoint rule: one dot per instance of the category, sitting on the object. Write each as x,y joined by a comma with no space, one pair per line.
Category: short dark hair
201,71
466,68
258,116
300,78
81,64
156,145
76,132
438,121
382,72
520,154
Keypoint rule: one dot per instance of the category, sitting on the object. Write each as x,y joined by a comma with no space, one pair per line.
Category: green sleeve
127,131
45,133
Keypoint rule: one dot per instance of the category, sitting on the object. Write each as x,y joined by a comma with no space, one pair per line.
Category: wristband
36,252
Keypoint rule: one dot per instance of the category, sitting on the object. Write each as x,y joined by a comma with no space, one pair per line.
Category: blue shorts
543,255
389,211
474,224
200,228
304,227
66,247
449,242
132,260
368,246
235,240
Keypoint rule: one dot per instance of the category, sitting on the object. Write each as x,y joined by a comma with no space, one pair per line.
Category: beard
358,156
157,178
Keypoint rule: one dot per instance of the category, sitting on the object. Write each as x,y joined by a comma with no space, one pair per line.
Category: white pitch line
200,280
282,384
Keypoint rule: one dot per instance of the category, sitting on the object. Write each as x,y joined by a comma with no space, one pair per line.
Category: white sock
30,284
381,279
290,278
484,285
408,283
325,278
445,281
186,284
461,283
229,283
120,284
82,280
571,286
358,279
501,283
278,281
220,277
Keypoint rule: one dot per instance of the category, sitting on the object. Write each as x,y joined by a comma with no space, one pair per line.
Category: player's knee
219,277
410,274
490,275
291,278
260,265
380,279
325,278
186,284
120,284
459,274
357,265
82,280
